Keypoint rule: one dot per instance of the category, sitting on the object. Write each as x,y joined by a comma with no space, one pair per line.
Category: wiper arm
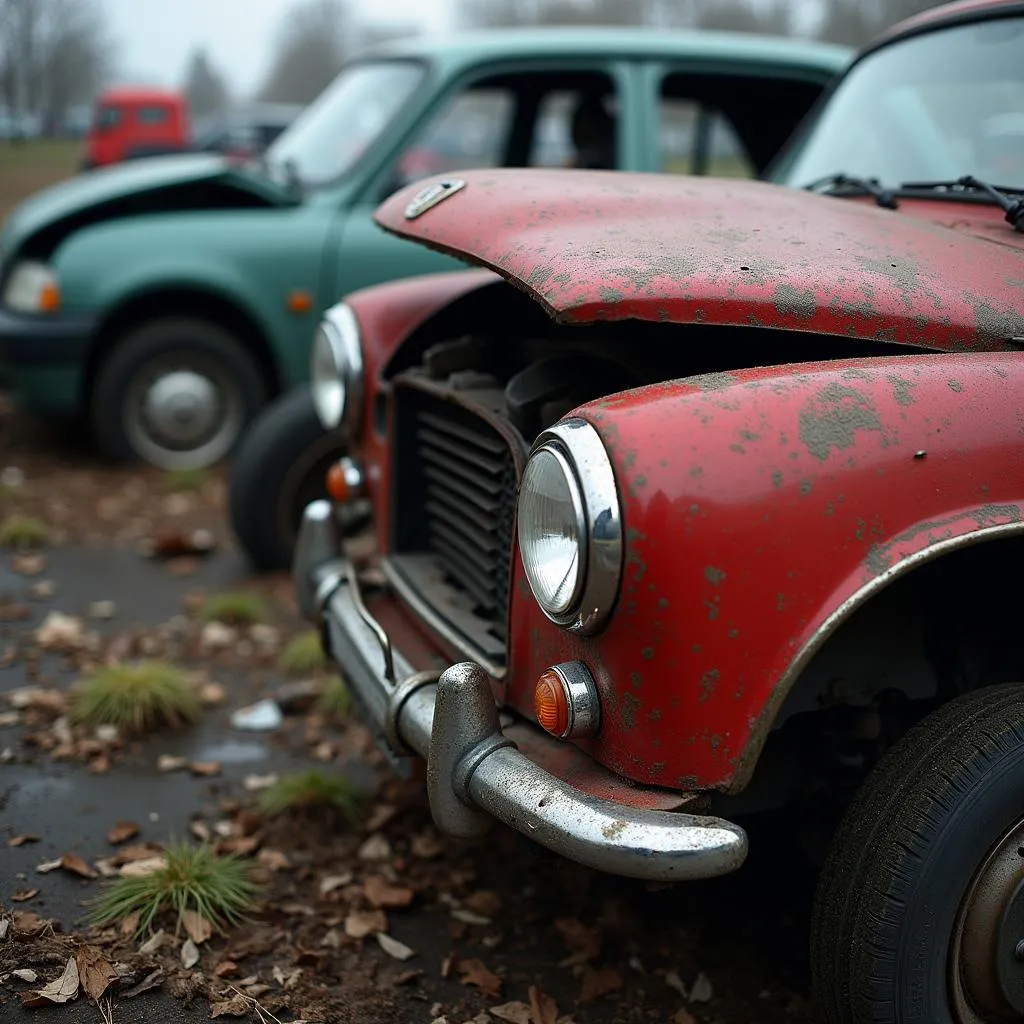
884,197
1013,208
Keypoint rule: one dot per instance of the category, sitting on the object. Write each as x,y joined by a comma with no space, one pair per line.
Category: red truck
132,122
706,498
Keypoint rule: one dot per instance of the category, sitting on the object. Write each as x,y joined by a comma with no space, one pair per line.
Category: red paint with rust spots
596,245
387,315
755,504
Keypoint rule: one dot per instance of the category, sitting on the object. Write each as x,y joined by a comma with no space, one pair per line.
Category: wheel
919,914
176,393
280,467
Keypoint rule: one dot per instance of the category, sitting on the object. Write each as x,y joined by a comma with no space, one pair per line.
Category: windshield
933,108
337,128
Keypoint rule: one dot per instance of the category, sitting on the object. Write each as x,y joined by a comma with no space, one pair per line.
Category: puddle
234,752
38,790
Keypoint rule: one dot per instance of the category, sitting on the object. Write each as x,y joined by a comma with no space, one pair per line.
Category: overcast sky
154,38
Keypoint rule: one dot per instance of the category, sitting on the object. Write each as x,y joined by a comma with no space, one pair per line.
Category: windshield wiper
1013,208
884,197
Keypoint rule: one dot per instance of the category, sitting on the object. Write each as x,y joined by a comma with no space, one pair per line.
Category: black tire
891,893
184,343
279,468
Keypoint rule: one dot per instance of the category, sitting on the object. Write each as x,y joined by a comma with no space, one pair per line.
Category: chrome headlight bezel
336,370
581,453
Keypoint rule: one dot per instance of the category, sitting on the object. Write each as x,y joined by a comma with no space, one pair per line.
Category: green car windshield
933,108
339,126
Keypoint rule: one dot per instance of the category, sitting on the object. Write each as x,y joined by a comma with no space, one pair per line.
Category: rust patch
713,575
955,385
708,682
630,706
902,389
833,419
790,301
711,381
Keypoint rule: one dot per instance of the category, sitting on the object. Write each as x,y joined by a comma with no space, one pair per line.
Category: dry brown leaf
274,860
543,1009
379,817
150,981
381,893
483,901
516,1012
154,943
225,969
141,868
237,1006
189,954
23,839
376,847
122,832
137,851
130,925
60,990
206,769
73,863
475,973
196,926
584,943
26,974
28,924
171,763
331,882
394,948
599,983
24,895
95,971
361,923
427,845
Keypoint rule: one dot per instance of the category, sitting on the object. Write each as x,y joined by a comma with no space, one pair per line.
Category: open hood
160,183
598,245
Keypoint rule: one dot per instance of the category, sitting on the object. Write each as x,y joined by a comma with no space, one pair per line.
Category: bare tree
773,18
205,88
313,45
53,53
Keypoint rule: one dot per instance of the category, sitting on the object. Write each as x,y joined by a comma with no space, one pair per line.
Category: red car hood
593,245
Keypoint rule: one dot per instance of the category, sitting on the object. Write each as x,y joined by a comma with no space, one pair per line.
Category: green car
167,301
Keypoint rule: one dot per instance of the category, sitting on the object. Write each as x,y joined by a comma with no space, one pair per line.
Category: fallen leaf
673,981
23,839
196,926
142,868
427,845
60,990
256,783
24,895
361,923
154,943
200,830
206,769
683,1017
48,865
381,893
380,816
597,983
171,763
237,1006
189,954
543,1009
331,882
225,969
28,565
5,927
130,925
150,981
701,991
274,860
468,917
26,974
375,848
516,1012
286,979
28,924
212,694
122,832
584,943
475,973
394,948
95,971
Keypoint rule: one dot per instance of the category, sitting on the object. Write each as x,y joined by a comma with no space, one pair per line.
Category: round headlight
570,527
551,530
336,369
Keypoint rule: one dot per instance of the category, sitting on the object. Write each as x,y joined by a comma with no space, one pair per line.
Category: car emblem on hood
432,195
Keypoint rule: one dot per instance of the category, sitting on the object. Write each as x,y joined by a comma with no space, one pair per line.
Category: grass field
29,166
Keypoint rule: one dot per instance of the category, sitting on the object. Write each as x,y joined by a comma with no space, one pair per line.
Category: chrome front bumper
474,772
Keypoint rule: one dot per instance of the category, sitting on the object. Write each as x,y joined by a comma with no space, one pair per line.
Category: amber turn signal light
565,701
345,481
49,298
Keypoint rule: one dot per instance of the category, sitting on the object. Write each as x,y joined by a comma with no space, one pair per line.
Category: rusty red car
706,497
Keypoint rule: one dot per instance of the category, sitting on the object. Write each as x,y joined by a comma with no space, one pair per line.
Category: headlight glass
31,287
336,369
551,531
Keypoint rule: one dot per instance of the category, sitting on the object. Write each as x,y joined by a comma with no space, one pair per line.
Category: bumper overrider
474,772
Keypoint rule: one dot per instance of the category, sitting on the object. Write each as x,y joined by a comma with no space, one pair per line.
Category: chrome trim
759,734
408,595
340,329
373,626
583,451
473,767
581,696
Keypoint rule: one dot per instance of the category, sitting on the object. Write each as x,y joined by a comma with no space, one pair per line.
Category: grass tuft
220,889
136,697
303,656
311,790
335,703
23,532
236,608
185,480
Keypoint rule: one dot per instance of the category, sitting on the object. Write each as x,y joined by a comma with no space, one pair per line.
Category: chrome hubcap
181,408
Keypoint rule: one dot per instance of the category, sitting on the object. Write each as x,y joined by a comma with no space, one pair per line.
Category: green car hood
158,184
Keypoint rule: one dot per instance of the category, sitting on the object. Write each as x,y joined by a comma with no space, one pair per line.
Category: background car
168,300
247,132
129,124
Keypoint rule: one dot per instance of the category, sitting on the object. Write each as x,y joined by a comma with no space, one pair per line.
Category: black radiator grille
456,491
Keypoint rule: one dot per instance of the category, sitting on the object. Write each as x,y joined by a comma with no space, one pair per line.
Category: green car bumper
42,359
